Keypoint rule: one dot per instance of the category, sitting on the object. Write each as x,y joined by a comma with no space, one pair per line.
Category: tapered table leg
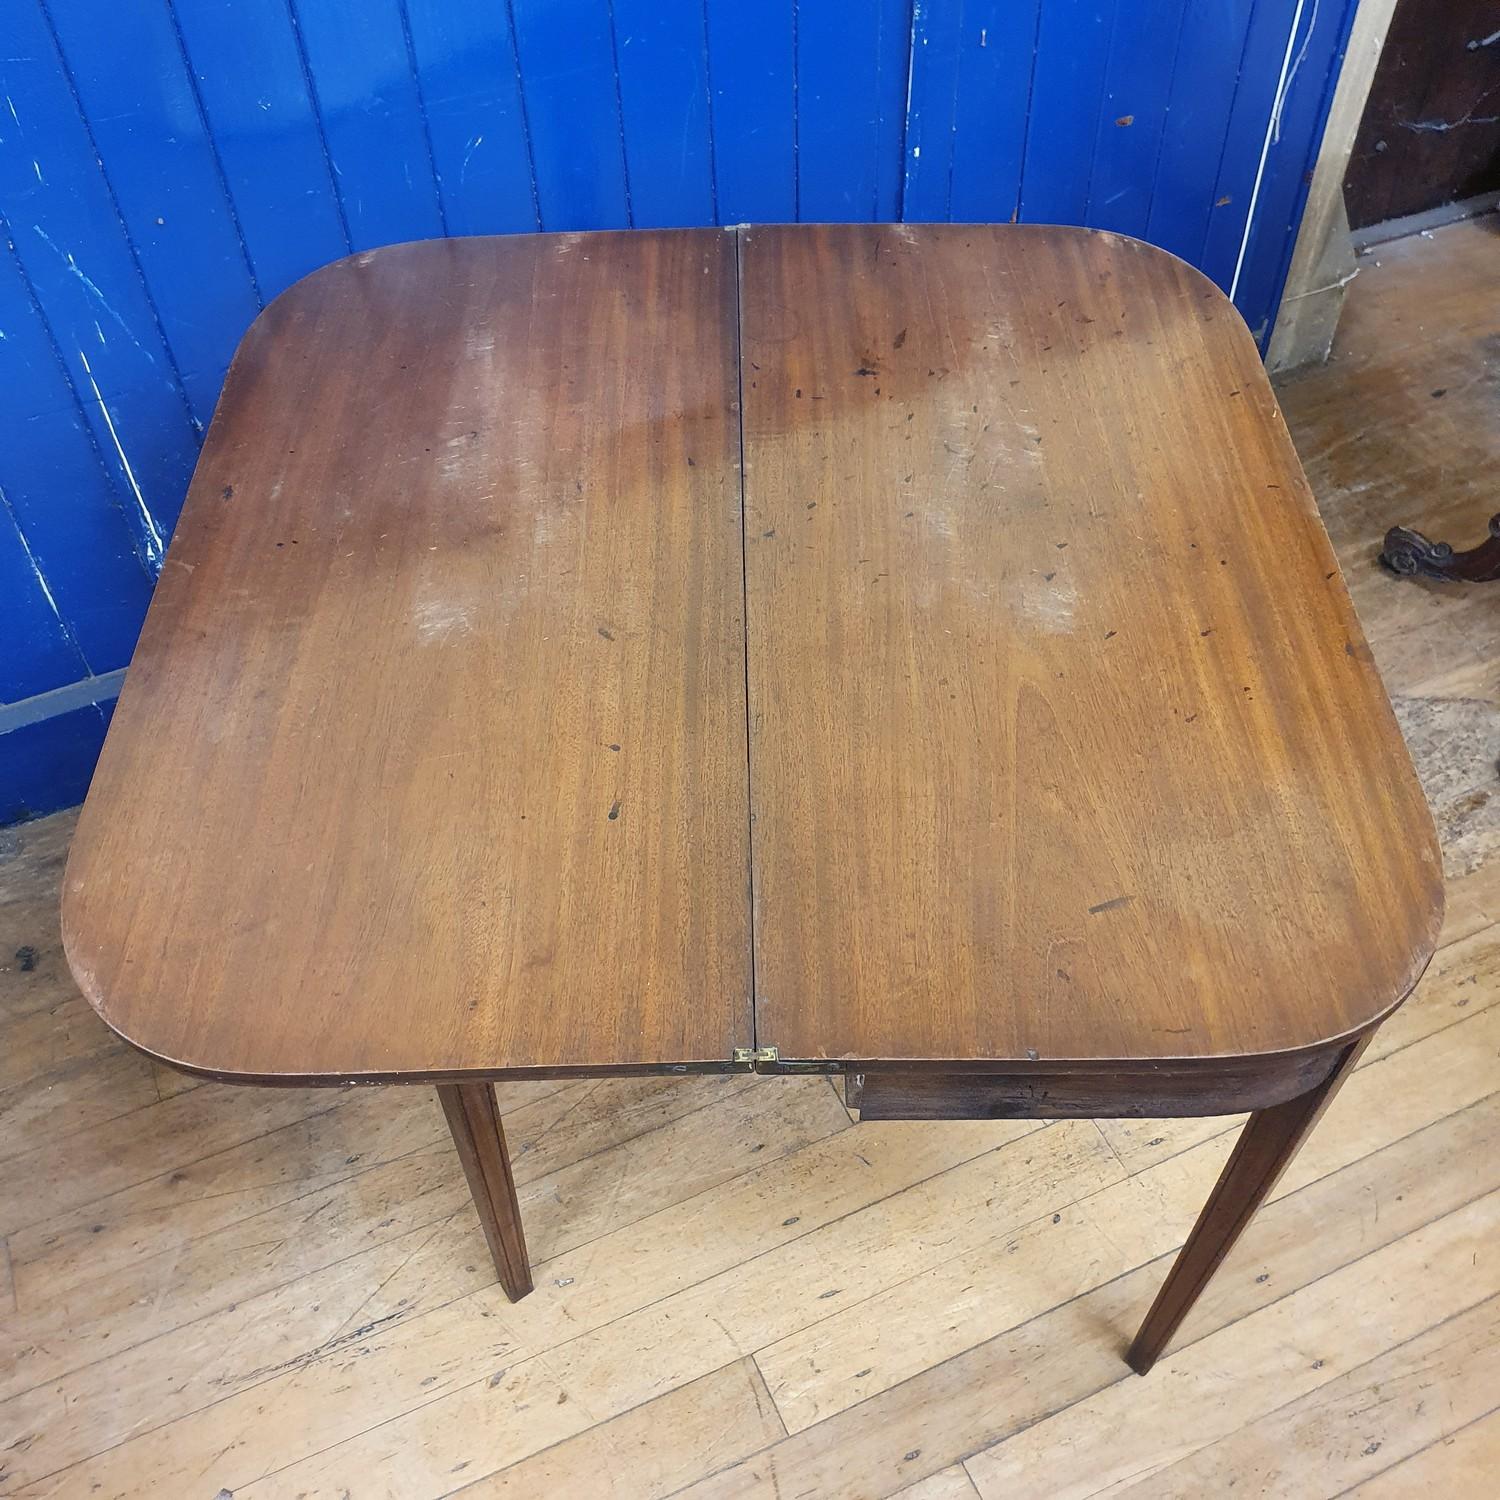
1265,1148
474,1120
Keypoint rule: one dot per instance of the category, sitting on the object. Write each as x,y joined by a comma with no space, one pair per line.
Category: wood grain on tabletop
432,755
1065,742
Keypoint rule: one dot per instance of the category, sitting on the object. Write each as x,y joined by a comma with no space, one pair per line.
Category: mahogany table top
883,643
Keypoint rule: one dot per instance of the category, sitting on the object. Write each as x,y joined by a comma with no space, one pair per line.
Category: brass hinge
769,1060
756,1058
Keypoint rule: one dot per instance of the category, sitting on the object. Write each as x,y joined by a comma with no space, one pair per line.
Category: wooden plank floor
739,1292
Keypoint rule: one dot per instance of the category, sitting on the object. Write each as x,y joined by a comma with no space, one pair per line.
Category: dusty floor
206,1289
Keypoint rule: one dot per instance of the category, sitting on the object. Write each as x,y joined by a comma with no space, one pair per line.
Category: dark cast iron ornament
1410,553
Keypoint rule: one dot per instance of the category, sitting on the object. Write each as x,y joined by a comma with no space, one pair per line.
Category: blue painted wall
168,166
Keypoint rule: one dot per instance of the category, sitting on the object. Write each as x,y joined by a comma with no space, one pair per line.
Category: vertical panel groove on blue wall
275,173
662,85
893,46
851,67
932,104
521,104
311,85
797,110
372,119
904,127
1132,117
1142,219
1062,128
1109,52
569,85
974,77
416,82
416,77
1031,60
199,409
213,149
536,201
168,166
1195,130
708,104
465,57
1266,38
754,143
614,58
1266,41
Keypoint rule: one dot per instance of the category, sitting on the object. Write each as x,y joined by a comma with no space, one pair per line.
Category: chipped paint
76,270
36,570
155,547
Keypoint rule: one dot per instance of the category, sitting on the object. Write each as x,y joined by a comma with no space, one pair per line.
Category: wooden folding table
906,653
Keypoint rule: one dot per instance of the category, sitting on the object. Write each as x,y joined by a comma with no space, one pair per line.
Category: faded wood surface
286,1292
1065,740
432,756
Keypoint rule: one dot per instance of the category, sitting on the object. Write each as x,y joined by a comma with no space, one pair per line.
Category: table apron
1130,1091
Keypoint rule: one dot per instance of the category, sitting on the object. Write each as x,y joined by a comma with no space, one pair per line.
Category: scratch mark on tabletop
436,619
